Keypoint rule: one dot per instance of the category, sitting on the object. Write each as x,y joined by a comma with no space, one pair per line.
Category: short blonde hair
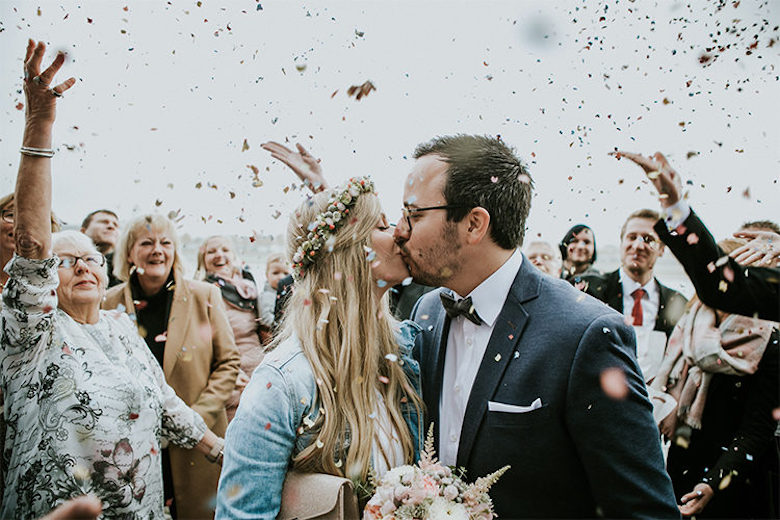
152,221
279,258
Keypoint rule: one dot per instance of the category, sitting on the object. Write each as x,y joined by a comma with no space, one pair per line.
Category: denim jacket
268,429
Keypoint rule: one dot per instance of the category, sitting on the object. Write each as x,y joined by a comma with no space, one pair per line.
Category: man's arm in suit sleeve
616,436
729,287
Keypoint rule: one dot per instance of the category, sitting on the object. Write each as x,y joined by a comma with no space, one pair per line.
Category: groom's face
431,245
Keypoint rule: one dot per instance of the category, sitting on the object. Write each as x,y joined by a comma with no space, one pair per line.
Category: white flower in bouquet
430,491
444,509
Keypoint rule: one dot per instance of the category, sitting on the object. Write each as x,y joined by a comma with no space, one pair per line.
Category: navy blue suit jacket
582,453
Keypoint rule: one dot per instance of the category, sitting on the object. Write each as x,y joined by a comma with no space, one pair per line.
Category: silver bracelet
37,152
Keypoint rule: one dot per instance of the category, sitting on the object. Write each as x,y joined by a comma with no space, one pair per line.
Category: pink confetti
613,383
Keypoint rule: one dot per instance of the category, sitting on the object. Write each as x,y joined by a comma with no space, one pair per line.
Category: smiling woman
85,405
186,328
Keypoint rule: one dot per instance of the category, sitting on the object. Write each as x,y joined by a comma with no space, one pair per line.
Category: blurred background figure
102,226
219,265
186,327
546,257
578,251
276,268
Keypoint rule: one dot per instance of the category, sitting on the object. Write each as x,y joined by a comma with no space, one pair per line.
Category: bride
339,393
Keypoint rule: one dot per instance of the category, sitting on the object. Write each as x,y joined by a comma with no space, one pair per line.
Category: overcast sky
167,93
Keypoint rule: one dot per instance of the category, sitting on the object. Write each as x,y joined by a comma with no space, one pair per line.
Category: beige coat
200,363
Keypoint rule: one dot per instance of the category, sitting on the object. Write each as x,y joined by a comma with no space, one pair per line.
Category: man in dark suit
633,289
525,370
719,280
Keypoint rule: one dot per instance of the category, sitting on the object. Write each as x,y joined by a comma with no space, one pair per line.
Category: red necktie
636,312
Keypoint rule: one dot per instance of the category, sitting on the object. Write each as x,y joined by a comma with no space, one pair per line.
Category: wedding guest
276,269
578,251
85,404
722,369
720,281
102,226
544,256
186,328
338,394
219,265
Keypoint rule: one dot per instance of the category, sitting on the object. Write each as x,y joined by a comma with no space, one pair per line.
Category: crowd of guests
120,375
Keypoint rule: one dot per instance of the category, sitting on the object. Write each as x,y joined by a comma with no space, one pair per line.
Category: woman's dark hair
569,236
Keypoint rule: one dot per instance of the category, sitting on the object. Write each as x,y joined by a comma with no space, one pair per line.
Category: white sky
167,93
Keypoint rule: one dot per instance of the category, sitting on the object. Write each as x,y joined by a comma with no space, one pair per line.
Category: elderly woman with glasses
86,406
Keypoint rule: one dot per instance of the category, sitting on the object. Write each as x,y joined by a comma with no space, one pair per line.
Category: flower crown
327,223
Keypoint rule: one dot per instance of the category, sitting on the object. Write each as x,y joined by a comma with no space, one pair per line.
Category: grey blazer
581,454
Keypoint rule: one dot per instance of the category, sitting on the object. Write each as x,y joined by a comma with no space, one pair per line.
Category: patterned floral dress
86,407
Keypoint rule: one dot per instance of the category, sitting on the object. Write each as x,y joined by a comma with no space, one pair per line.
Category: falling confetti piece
161,338
319,444
726,481
392,358
606,330
245,146
268,385
613,383
360,90
407,281
692,239
383,379
267,426
498,357
723,286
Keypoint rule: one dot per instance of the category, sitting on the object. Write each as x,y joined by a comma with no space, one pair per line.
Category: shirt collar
488,297
629,285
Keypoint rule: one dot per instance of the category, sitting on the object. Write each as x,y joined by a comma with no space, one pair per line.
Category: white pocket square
513,408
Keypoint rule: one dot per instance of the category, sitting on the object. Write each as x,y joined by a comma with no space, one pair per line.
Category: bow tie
462,307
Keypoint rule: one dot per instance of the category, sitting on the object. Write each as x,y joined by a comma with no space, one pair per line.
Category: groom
527,371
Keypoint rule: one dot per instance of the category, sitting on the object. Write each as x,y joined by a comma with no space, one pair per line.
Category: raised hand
306,167
763,249
666,181
41,95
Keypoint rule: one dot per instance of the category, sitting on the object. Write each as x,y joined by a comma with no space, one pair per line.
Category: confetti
613,383
498,357
391,357
383,379
359,91
268,426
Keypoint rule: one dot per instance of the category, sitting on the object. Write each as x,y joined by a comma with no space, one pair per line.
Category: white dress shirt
650,301
466,345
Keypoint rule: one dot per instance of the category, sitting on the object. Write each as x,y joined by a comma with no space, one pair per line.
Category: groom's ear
476,224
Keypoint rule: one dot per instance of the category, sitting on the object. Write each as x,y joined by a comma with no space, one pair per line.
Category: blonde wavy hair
347,336
152,221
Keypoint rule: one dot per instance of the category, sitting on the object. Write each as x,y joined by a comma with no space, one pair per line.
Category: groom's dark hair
484,172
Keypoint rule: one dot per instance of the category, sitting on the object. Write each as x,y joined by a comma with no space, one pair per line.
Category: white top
466,345
650,301
85,406
386,441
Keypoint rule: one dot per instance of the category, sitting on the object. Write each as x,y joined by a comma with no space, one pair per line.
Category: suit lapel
506,334
439,345
615,291
178,324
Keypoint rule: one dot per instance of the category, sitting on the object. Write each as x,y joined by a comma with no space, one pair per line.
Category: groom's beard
435,264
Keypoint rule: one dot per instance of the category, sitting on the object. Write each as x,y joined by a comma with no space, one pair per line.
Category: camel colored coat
200,363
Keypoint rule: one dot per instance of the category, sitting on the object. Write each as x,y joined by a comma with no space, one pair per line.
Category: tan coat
200,363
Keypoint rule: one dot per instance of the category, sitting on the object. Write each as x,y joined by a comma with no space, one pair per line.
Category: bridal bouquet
430,491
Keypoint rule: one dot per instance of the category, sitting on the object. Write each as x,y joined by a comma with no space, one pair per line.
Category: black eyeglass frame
408,212
83,258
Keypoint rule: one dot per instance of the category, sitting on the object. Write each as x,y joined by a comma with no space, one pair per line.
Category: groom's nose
401,232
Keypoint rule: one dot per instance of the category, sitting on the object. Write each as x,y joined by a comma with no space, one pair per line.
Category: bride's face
388,267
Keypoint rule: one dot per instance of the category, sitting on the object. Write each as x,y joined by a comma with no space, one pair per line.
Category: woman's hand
668,424
242,380
39,89
694,502
306,167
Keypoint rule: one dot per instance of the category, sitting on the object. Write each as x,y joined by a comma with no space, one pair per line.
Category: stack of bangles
36,152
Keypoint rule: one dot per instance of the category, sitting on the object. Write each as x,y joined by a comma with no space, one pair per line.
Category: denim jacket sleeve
405,337
260,441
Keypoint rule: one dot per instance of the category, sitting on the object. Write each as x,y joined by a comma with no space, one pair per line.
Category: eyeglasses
69,261
409,212
650,240
8,215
